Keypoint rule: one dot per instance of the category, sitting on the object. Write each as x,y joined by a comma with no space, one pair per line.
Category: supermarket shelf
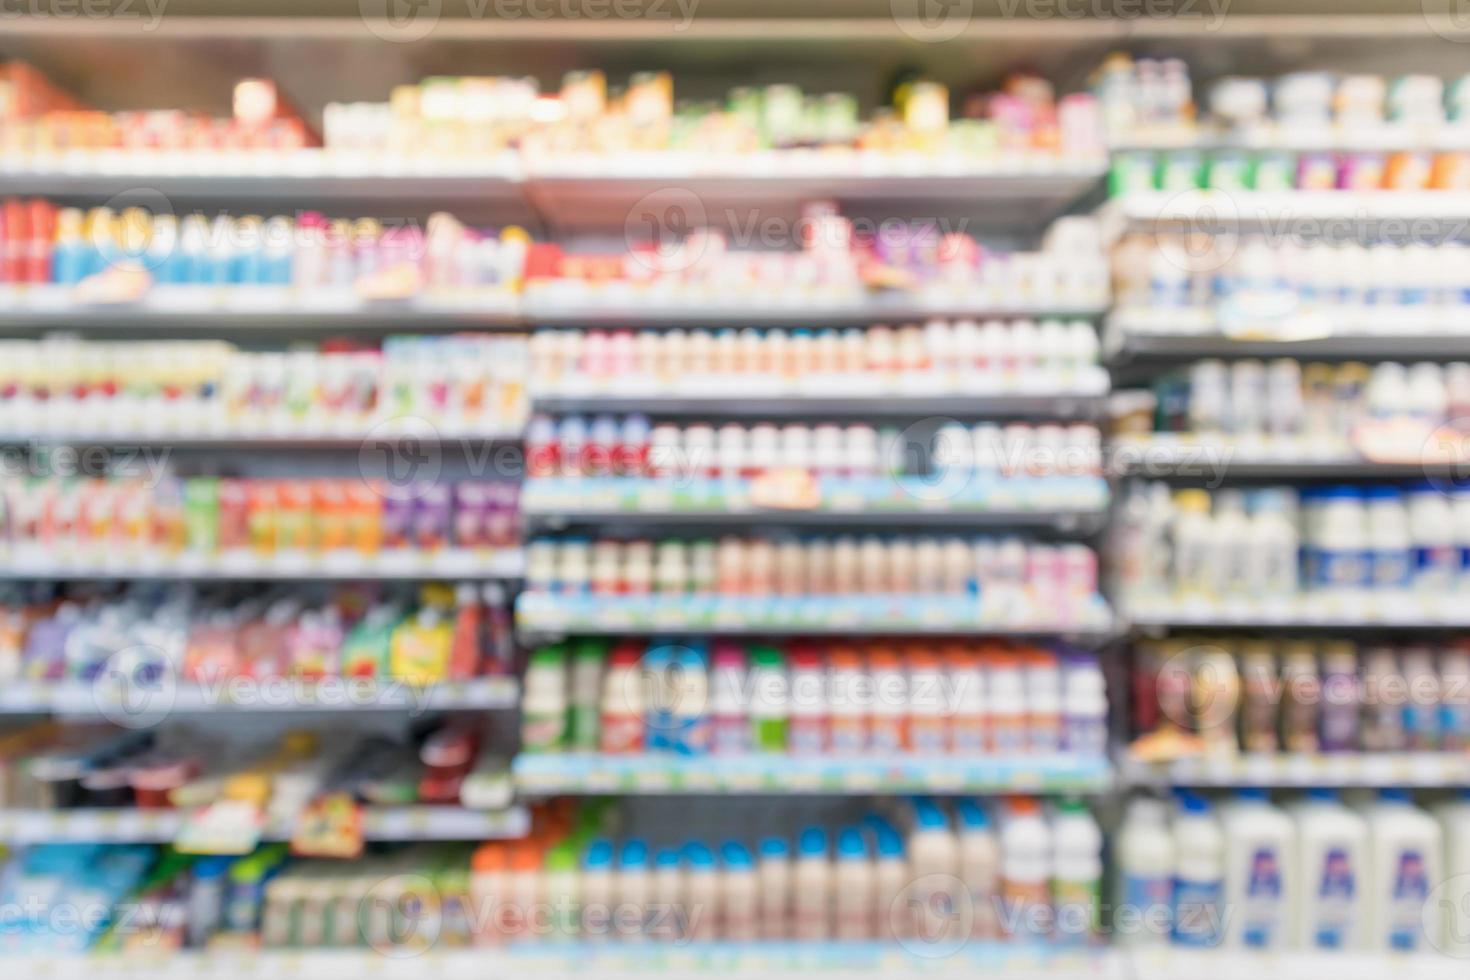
879,404
1310,612
162,826
1068,503
1409,769
308,176
543,614
1220,964
385,566
571,773
597,192
1207,210
1215,461
105,697
1384,138
207,310
1139,347
587,191
619,309
210,310
578,961
306,442
1079,522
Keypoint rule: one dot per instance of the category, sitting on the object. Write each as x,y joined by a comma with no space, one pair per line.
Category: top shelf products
482,119
1151,103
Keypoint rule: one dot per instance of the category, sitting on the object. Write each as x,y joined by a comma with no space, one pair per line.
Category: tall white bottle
1405,854
1145,875
1199,874
1454,821
1260,880
1332,874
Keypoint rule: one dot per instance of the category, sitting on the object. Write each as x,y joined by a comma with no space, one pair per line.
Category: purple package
431,518
471,515
502,520
398,516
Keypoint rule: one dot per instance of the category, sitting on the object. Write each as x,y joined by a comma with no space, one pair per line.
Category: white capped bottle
856,886
1199,874
1145,854
774,881
1260,850
1454,898
812,882
1332,867
1406,863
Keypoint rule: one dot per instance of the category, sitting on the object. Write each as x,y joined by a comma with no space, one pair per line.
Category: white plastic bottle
1389,544
1196,569
1146,863
700,916
1431,528
741,900
1076,873
933,867
891,876
598,894
1454,899
812,882
1462,538
1199,874
1332,865
774,879
665,912
1271,559
856,886
634,886
1405,855
1260,854
1342,544
1025,873
1232,542
979,865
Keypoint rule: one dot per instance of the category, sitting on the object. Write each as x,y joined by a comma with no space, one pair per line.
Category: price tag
329,826
785,490
225,827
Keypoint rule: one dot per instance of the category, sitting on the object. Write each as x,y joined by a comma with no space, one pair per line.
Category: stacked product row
437,635
1220,695
473,119
837,260
808,699
61,768
156,518
1317,875
937,358
466,384
817,567
1389,547
44,243
1319,410
1240,277
1146,97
